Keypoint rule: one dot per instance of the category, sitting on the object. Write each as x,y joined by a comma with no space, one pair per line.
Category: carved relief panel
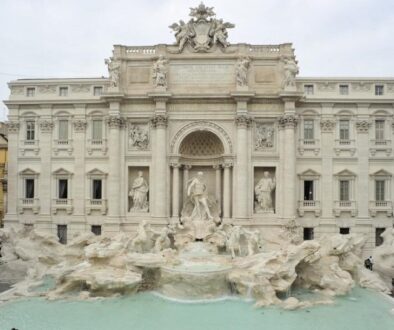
138,136
264,138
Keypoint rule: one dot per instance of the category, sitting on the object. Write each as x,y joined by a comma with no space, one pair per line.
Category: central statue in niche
200,213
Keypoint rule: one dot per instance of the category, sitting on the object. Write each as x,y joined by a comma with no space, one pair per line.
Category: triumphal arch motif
202,130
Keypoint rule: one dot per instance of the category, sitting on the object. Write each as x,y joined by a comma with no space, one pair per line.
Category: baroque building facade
104,154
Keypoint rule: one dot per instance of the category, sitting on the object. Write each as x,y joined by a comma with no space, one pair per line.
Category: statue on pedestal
291,70
139,194
263,192
160,72
241,71
114,71
197,191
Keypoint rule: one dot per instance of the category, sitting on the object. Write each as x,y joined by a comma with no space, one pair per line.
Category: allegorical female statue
263,192
139,194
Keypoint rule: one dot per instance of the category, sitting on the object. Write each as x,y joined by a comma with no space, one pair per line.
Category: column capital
159,121
362,126
243,121
327,125
288,120
80,125
187,167
115,122
217,167
46,126
227,164
175,165
13,126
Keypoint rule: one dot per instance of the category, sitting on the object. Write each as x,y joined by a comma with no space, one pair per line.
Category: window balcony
99,145
29,204
380,146
345,206
380,206
309,206
309,145
63,145
96,204
65,204
342,145
30,145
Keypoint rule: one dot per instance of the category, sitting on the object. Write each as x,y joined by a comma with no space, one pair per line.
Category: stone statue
241,71
234,240
139,194
264,137
114,71
160,72
263,192
220,32
291,70
253,241
163,242
183,33
197,190
138,138
142,239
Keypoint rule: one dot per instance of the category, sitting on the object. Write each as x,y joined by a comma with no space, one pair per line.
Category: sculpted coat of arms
203,31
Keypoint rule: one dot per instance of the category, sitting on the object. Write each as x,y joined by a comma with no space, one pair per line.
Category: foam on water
147,311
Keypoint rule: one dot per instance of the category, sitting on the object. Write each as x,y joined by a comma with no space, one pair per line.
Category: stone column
226,191
114,122
159,158
11,218
288,123
218,185
186,169
242,204
175,190
362,189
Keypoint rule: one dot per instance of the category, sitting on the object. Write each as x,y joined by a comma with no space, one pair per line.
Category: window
379,130
28,226
308,234
380,190
96,189
30,91
63,189
379,89
344,194
344,126
308,89
378,238
63,91
97,129
343,89
62,233
308,129
96,230
29,188
30,130
344,231
63,130
97,90
308,190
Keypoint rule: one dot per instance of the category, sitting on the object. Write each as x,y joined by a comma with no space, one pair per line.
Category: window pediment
382,173
28,172
309,174
346,173
96,172
62,172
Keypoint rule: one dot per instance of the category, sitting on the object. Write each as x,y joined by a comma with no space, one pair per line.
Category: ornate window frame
96,204
96,145
309,205
351,204
61,144
309,145
29,145
28,203
381,206
59,203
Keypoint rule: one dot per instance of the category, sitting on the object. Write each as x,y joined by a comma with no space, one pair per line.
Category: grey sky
71,38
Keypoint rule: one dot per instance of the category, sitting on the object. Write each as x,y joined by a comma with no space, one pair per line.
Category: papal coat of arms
203,31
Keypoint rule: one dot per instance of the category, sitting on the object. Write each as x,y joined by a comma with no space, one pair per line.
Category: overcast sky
71,38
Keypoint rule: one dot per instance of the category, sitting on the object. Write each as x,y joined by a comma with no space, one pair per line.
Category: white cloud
70,38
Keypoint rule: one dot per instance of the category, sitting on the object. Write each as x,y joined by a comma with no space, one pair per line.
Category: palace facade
102,154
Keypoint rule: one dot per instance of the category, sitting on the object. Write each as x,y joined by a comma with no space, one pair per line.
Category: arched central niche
201,144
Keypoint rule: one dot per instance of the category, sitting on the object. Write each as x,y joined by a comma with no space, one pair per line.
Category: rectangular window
378,238
29,188
63,130
343,89
97,90
379,89
63,189
308,234
308,129
96,189
97,129
344,128
380,190
344,194
308,190
63,91
379,130
62,233
96,230
344,231
30,91
308,89
30,130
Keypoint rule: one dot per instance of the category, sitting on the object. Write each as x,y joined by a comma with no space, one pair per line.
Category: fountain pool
361,310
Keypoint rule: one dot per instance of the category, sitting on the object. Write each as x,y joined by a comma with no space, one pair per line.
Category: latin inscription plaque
202,74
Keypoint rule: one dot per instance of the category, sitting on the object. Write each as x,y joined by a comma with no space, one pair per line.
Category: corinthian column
226,190
218,187
242,170
288,123
175,190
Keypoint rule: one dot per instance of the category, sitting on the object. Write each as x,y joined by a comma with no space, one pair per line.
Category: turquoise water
362,310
